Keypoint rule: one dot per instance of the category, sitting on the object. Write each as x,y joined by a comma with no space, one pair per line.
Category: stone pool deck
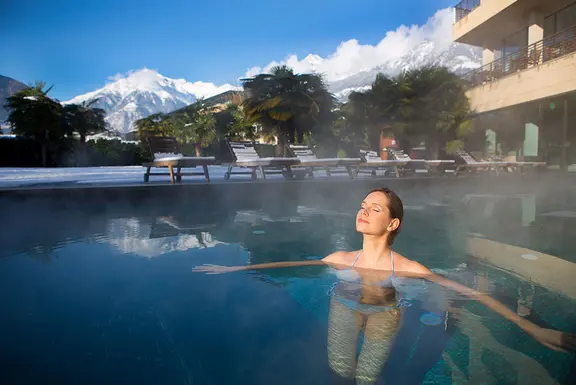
92,176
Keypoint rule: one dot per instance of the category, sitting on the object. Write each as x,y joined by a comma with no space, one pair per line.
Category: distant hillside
8,87
224,97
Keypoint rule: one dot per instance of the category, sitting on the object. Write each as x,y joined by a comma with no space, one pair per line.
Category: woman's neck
374,248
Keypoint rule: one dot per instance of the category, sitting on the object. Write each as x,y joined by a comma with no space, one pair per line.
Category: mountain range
144,92
459,58
8,86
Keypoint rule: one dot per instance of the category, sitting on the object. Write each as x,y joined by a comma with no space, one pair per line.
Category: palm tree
440,110
286,104
35,115
380,110
428,104
348,131
195,124
85,120
231,124
154,125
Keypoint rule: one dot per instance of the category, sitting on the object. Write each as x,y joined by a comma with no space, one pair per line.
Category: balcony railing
553,47
463,8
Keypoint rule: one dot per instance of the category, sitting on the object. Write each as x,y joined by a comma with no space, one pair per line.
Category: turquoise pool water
105,293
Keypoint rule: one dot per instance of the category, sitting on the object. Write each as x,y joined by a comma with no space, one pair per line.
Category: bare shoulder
409,266
345,258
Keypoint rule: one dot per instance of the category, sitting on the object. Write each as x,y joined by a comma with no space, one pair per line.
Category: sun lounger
524,167
371,162
167,153
437,166
245,156
471,164
309,161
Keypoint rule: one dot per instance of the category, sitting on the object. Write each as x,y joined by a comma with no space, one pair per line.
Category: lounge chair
468,162
437,166
245,156
310,161
167,152
371,162
523,167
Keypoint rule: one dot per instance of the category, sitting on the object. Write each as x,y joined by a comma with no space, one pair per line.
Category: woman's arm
216,269
336,260
551,338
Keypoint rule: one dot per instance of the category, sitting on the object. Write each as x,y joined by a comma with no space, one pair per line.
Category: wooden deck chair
310,161
245,156
436,166
371,162
167,153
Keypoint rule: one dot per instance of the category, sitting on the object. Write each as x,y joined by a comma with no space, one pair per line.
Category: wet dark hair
395,207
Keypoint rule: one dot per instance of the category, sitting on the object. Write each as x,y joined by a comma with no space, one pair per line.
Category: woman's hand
216,269
554,339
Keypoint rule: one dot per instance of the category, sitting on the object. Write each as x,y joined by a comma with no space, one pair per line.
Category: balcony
484,23
543,69
553,47
463,8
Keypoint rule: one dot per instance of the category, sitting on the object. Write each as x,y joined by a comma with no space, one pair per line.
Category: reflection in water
556,230
523,206
344,326
130,235
358,304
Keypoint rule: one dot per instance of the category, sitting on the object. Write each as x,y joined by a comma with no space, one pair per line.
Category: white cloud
352,57
128,74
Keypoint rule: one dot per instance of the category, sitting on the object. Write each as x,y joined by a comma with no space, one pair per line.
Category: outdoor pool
100,290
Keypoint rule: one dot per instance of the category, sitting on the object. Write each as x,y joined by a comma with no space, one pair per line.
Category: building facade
524,95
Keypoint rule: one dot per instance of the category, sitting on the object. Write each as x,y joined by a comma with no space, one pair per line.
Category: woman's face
373,218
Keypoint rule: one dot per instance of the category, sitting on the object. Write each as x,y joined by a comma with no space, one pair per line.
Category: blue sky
76,45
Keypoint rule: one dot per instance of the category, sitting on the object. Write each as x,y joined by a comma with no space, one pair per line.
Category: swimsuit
350,293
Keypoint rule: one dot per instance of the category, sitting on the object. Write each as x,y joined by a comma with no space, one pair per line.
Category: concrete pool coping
448,179
543,269
131,176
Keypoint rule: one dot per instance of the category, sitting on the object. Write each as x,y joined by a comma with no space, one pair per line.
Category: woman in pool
370,302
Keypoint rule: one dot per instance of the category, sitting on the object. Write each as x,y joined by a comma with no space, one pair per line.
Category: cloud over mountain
351,57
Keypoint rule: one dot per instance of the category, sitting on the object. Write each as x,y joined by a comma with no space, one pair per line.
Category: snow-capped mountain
459,58
132,236
143,93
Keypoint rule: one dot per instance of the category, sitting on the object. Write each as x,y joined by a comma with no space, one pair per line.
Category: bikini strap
356,260
392,259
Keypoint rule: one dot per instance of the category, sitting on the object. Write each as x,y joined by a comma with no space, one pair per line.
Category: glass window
515,42
549,25
530,140
566,18
497,54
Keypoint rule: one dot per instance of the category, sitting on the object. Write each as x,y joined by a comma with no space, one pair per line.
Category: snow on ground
16,177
